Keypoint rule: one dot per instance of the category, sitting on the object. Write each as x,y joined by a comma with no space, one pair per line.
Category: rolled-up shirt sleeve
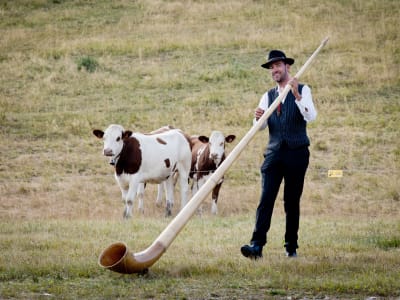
306,105
263,105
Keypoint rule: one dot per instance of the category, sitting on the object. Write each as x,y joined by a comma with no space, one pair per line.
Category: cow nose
107,152
214,156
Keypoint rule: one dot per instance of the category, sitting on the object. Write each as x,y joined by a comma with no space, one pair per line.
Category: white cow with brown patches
141,158
161,186
207,155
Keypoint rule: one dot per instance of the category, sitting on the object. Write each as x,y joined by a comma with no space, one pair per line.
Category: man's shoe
252,251
291,249
291,253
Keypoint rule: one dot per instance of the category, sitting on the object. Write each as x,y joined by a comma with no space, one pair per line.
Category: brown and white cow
207,155
141,158
161,186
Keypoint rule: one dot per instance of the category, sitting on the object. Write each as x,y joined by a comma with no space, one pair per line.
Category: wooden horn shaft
118,258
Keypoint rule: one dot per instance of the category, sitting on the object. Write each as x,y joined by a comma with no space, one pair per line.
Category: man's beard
280,77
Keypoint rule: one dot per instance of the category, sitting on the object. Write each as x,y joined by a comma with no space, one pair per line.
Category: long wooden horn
117,256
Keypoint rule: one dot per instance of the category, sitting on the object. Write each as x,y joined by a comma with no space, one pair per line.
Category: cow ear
204,139
98,133
230,138
126,134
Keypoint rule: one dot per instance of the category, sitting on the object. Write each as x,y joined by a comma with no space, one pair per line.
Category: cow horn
118,258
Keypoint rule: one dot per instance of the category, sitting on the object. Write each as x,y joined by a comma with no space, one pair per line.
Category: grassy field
68,67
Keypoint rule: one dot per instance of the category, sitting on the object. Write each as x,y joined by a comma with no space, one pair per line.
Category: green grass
195,65
60,258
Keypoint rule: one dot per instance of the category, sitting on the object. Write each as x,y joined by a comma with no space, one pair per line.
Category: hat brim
287,60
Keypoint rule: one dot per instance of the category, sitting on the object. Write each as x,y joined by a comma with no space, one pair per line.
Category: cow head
217,142
113,138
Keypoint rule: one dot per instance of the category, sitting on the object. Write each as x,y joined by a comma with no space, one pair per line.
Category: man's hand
294,83
258,113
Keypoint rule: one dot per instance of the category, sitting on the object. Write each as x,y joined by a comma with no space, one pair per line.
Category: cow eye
118,139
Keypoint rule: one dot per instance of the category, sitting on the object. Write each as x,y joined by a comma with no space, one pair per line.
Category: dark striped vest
289,127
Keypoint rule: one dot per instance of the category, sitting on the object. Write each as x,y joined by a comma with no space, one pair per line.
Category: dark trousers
291,166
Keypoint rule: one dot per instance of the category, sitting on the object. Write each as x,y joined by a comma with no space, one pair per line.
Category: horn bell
118,258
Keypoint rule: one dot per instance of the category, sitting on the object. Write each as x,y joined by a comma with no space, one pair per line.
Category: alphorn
118,258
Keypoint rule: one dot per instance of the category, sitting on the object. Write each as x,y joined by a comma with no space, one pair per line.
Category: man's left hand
294,83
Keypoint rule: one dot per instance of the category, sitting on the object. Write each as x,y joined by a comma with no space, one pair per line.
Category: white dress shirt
305,105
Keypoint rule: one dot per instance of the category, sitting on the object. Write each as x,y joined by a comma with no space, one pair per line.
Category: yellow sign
335,173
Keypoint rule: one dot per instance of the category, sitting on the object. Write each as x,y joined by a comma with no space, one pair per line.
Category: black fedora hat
275,55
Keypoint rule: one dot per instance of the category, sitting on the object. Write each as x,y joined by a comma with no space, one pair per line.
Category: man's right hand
258,113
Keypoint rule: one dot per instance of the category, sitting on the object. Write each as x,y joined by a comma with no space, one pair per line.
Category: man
286,156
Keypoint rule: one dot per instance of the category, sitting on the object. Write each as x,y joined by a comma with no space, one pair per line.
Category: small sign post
335,173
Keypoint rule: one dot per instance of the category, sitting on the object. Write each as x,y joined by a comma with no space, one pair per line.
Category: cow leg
140,195
169,186
215,193
195,187
130,198
176,175
184,188
160,193
124,187
124,192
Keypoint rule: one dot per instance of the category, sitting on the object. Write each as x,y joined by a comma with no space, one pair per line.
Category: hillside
194,65
71,66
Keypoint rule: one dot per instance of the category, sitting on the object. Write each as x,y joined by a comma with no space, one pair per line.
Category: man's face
279,71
